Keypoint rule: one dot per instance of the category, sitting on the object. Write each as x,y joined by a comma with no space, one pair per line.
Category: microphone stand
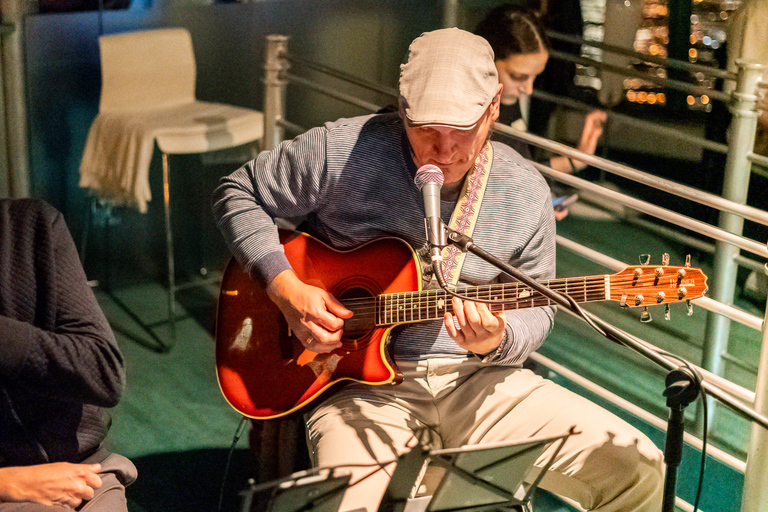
682,386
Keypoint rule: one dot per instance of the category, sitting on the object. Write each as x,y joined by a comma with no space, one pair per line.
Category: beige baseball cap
449,79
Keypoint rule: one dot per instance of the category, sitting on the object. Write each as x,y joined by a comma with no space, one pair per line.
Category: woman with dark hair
521,51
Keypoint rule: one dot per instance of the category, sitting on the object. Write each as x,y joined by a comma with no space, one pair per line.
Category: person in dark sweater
60,370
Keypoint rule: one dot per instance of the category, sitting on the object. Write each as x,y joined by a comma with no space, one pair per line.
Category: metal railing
727,236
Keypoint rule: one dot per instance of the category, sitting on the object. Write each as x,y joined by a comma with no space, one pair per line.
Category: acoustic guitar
265,372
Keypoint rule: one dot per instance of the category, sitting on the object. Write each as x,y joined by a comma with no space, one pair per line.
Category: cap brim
441,125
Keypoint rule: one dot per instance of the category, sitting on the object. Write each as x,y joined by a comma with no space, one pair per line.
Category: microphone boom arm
466,244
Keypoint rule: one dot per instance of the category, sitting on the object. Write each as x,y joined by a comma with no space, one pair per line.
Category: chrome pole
275,69
14,106
735,188
450,13
755,494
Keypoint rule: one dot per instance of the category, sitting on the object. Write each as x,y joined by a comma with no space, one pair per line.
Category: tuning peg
647,259
667,314
665,259
687,260
623,302
690,307
680,276
645,317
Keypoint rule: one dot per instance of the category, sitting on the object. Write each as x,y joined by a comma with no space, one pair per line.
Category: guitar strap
467,209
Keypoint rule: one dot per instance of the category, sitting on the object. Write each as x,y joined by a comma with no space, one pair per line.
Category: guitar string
393,300
591,288
481,291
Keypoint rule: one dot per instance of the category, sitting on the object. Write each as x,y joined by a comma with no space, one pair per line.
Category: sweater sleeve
283,183
54,339
528,328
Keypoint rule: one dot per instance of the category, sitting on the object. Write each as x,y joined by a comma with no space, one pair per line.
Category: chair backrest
146,70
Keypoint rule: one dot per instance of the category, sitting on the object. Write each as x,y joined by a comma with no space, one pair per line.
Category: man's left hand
479,331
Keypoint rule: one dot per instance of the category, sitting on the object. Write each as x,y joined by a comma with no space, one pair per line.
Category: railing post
741,140
450,13
275,68
755,494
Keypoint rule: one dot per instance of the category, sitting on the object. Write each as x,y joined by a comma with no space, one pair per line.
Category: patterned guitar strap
463,220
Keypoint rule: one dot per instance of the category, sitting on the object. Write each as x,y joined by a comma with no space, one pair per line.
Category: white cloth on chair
118,152
147,96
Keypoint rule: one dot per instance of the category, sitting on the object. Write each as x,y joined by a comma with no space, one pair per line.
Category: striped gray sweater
352,180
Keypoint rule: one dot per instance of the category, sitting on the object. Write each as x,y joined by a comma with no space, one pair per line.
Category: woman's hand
593,129
314,316
59,483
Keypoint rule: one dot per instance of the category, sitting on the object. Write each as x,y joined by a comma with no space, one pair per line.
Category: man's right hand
314,316
59,483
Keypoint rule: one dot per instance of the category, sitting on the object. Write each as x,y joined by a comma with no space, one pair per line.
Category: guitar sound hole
358,329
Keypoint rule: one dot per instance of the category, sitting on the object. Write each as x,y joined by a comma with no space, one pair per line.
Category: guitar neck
425,305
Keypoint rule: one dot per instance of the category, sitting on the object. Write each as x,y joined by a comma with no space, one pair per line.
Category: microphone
429,179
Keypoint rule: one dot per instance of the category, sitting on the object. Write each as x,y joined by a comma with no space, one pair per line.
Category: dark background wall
366,38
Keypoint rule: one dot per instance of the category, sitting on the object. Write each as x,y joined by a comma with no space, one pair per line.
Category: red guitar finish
265,372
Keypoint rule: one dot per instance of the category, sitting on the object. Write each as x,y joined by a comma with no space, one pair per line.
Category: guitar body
263,370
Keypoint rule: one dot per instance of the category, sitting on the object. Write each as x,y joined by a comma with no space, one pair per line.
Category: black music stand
477,478
408,471
486,477
305,491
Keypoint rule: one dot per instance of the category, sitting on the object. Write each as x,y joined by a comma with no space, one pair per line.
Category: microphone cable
238,433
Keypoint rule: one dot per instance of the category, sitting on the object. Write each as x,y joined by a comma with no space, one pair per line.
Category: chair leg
97,215
100,215
169,248
86,229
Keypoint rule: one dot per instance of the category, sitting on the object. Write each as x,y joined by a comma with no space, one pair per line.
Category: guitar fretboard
425,305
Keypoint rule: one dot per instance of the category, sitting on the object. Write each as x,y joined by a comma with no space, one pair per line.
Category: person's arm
315,316
76,360
527,328
59,483
283,183
593,129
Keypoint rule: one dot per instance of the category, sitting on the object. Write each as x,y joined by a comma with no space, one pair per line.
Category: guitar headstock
650,285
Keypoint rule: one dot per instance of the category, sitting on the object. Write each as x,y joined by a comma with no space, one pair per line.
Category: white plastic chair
148,98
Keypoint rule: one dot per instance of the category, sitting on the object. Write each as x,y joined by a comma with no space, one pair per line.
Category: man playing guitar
462,381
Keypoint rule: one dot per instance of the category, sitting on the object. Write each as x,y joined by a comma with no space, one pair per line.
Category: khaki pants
609,466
